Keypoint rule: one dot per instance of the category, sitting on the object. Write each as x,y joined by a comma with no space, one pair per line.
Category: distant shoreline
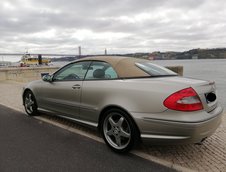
208,53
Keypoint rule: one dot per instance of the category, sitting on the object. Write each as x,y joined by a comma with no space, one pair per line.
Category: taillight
184,100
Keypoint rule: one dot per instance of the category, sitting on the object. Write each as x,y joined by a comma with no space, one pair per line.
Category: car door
63,94
95,90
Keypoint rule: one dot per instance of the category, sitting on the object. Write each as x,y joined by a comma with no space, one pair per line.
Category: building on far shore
195,56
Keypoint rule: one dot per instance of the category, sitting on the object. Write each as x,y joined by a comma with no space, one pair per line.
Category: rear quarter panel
133,95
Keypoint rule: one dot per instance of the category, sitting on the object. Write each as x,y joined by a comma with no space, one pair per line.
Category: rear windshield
155,70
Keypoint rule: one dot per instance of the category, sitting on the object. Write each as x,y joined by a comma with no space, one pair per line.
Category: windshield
155,70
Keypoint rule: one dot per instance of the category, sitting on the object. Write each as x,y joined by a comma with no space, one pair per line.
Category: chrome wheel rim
117,130
29,103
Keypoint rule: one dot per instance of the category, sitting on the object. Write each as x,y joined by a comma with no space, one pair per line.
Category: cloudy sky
121,26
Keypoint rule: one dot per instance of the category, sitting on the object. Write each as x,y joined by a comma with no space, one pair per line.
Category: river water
214,70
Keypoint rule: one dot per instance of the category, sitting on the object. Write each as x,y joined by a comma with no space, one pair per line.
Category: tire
119,131
30,104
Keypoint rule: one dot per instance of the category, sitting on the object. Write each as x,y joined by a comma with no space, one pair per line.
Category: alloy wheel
117,131
30,103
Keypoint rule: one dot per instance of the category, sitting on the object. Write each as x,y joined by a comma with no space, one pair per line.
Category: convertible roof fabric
125,67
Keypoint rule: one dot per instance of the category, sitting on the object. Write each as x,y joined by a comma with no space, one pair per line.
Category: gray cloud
55,26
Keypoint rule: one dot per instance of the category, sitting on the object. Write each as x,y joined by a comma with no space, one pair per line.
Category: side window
72,72
100,70
110,72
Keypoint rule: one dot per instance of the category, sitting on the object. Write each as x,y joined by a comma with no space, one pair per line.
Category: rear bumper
160,131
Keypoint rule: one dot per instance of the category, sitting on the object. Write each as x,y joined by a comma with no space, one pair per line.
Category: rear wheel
119,131
30,104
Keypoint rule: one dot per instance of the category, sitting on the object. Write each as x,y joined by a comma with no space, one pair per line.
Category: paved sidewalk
210,156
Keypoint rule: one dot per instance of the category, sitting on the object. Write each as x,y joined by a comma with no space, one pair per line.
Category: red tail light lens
184,100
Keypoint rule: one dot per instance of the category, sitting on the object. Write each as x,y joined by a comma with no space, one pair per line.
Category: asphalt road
27,144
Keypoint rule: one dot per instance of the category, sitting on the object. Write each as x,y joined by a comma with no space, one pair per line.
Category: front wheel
119,131
30,104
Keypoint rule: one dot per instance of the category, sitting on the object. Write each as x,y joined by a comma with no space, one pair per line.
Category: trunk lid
205,89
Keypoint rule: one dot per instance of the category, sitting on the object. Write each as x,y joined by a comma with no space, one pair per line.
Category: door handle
77,86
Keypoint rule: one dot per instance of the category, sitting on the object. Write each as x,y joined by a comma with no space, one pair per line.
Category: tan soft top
124,66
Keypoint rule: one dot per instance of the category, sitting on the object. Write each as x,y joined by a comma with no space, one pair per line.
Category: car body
128,99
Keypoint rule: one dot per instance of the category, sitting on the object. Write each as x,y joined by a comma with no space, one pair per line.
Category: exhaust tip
201,142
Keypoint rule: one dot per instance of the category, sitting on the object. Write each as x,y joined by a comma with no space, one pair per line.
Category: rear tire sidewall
35,107
134,131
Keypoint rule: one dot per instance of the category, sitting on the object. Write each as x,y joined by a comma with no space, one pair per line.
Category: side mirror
43,74
47,78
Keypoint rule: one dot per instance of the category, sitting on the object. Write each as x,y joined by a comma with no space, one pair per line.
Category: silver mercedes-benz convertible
129,100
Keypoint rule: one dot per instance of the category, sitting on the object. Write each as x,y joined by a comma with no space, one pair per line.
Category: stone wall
26,74
178,69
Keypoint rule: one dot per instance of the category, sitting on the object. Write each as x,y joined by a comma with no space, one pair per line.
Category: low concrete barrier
26,74
178,69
